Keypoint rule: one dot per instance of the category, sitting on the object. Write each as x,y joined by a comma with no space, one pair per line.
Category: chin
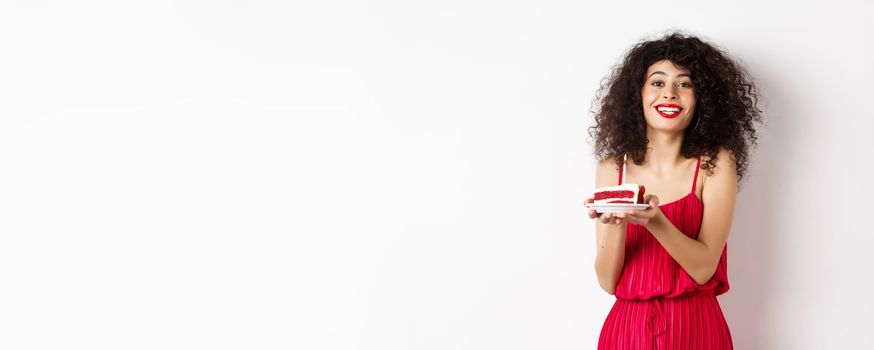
664,125
667,125
668,129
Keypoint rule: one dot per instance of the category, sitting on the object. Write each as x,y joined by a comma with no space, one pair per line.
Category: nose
669,93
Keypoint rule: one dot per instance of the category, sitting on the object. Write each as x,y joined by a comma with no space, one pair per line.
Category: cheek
649,96
690,96
648,91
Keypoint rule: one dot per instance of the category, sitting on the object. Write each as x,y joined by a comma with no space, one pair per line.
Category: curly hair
725,112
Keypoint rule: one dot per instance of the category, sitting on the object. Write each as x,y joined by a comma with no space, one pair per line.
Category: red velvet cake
628,193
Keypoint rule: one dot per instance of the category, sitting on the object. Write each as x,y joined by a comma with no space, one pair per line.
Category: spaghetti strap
695,179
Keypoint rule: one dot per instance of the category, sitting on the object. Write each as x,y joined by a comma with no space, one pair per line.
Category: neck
663,149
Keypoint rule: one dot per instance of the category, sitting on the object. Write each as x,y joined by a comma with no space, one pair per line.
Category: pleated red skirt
685,322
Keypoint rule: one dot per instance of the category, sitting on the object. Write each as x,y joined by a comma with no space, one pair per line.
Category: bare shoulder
724,172
724,160
607,173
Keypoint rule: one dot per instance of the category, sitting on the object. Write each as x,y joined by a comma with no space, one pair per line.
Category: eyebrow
663,73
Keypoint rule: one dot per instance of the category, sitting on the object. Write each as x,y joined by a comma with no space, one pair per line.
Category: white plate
617,207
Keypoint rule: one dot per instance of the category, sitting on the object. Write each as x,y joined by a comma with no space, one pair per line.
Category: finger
592,214
653,201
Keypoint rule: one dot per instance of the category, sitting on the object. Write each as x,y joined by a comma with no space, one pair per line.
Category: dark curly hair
725,111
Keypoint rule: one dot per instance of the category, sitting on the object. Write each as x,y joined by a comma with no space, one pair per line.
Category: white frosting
634,188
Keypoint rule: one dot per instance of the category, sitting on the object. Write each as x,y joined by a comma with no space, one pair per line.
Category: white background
395,175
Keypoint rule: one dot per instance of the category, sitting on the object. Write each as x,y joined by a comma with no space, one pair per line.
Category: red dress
658,305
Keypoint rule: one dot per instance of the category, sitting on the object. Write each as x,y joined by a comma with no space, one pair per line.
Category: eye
659,83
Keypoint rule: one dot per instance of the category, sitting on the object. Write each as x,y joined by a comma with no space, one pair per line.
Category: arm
700,257
610,235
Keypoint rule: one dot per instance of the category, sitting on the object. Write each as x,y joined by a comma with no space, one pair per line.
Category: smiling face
668,97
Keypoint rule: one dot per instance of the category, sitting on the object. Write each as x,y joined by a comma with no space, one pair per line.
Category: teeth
668,109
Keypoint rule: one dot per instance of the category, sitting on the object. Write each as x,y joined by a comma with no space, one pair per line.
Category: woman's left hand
642,217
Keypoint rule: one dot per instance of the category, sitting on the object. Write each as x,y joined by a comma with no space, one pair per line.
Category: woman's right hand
605,218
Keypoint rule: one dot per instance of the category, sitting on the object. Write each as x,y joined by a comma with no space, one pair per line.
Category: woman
673,106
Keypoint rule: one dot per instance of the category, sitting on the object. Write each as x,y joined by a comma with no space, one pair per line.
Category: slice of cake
629,193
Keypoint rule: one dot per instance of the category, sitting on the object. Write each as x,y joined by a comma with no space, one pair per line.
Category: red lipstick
671,112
